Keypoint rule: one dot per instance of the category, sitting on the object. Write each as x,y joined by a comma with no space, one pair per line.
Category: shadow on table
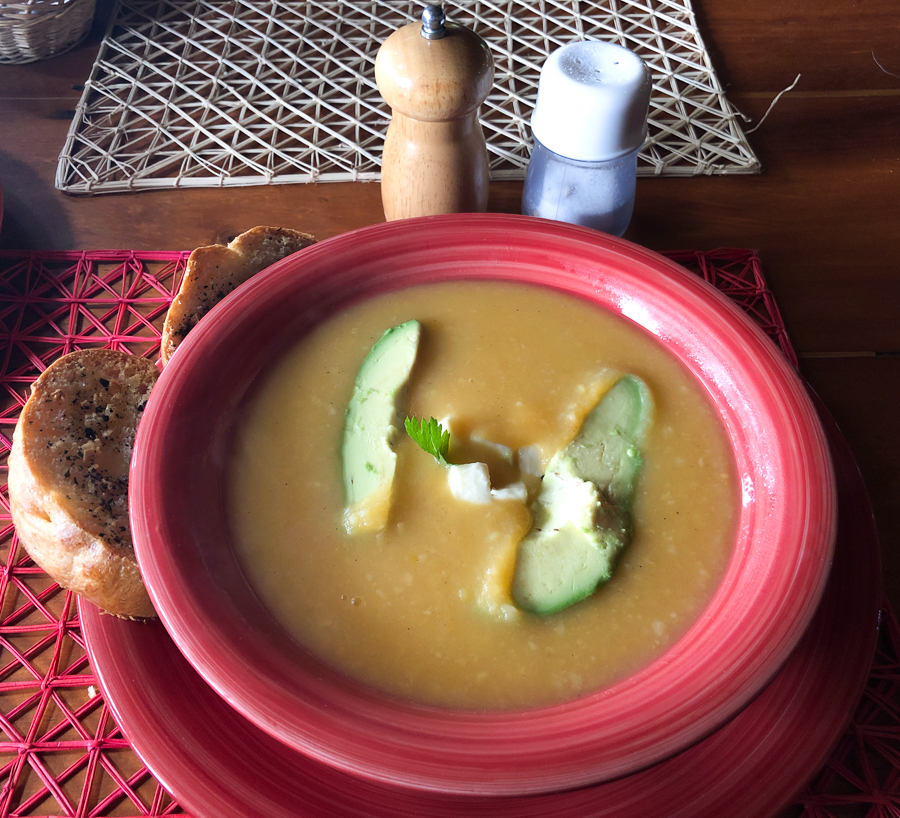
31,209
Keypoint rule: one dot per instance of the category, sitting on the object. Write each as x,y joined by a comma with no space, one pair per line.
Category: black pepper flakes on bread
68,475
213,272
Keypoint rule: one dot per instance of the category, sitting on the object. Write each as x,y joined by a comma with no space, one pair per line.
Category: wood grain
824,214
834,45
862,395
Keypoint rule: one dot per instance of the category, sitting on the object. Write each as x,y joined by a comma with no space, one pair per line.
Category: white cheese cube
470,482
514,491
504,451
530,461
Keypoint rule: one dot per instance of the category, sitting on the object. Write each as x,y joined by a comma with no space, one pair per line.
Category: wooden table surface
824,214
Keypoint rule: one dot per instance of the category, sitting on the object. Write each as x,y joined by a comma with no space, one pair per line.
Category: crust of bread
68,475
213,272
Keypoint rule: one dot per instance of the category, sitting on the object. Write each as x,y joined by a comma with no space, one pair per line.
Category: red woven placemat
63,754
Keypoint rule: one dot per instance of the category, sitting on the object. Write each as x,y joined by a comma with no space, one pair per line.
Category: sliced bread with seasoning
213,272
68,475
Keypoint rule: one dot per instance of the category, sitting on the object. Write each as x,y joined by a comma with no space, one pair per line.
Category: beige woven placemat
196,93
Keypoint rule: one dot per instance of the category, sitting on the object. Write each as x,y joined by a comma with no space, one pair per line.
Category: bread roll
68,475
214,271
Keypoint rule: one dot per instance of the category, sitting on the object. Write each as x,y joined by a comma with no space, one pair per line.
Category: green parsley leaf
431,436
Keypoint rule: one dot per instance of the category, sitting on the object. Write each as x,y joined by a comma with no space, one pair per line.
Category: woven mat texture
61,752
210,93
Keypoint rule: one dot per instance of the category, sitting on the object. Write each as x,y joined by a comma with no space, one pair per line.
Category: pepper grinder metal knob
434,74
433,20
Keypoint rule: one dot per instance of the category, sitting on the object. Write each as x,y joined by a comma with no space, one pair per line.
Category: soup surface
422,609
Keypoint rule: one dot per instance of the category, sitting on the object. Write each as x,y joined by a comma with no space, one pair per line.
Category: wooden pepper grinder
434,75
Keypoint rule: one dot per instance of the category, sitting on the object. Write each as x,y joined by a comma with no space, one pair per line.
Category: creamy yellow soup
422,609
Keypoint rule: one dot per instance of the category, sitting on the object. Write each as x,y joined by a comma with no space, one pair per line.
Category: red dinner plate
217,763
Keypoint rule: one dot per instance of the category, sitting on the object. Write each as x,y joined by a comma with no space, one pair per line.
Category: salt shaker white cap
592,101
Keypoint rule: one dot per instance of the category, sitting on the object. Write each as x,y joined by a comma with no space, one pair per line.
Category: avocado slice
606,450
370,426
582,518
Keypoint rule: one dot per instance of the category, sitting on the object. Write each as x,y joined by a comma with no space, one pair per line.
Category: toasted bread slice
214,271
68,475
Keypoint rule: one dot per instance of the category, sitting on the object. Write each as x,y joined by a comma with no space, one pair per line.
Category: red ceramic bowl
770,589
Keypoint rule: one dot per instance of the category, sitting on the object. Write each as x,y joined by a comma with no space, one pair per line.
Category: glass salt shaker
589,122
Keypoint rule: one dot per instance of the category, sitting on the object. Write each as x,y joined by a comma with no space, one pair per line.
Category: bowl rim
698,684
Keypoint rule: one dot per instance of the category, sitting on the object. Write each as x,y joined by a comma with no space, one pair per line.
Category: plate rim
727,765
352,736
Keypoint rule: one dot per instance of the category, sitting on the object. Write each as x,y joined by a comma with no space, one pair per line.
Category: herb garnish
431,436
